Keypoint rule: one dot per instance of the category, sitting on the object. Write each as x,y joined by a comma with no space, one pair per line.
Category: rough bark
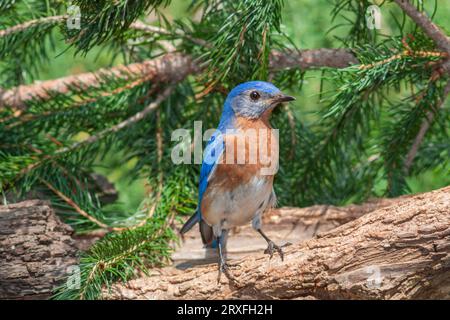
36,250
399,251
169,68
282,225
313,58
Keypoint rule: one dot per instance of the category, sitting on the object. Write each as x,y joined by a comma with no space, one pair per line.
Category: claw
271,247
223,267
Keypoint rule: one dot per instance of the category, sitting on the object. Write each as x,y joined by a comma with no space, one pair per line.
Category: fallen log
36,250
399,251
282,225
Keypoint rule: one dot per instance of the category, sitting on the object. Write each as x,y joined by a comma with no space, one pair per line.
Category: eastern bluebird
232,193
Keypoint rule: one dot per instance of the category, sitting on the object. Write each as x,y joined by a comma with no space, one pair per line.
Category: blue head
253,99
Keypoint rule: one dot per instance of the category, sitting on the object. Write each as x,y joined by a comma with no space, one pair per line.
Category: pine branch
75,206
313,58
424,128
118,255
398,136
138,25
52,20
106,20
132,120
345,123
41,159
171,67
431,29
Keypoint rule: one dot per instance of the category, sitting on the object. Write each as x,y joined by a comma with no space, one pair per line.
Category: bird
233,193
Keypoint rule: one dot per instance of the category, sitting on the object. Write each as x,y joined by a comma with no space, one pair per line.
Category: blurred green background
307,22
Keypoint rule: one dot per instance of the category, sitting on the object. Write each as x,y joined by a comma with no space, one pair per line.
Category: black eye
254,95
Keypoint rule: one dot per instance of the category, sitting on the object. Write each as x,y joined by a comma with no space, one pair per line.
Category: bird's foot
223,267
272,247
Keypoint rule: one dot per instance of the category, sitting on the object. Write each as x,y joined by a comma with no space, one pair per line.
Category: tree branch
31,23
172,67
133,119
36,250
431,29
287,224
443,42
424,128
169,68
138,25
313,58
175,67
94,138
396,252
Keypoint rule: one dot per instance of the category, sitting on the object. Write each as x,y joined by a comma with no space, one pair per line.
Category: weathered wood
36,250
400,251
282,225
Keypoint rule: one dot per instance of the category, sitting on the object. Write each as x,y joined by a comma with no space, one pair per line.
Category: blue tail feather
195,218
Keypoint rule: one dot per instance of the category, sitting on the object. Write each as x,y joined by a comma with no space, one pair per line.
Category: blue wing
213,150
211,155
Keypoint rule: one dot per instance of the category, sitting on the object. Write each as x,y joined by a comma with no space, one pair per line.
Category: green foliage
347,143
118,256
346,125
17,60
103,20
409,116
354,14
240,34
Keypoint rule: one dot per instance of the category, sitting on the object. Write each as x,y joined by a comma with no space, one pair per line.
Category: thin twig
74,205
431,29
424,128
138,25
23,26
133,119
405,53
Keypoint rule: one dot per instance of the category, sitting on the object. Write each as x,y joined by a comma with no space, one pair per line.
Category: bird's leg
222,263
271,246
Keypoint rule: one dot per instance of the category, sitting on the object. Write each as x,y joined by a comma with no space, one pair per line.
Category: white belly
238,207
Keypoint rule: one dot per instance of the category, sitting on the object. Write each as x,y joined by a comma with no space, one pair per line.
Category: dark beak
279,98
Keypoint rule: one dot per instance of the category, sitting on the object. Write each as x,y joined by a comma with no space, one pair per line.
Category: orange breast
253,147
247,151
